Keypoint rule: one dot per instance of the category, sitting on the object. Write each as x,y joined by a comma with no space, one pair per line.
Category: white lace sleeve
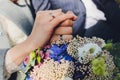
13,32
11,67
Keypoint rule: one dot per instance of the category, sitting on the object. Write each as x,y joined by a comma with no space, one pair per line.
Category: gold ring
52,15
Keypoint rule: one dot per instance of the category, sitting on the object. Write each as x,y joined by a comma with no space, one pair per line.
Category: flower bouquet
78,59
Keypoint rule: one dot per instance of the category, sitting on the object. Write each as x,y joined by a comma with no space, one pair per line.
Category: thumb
70,12
56,21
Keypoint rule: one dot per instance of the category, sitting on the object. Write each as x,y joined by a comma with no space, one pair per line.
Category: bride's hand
64,29
44,26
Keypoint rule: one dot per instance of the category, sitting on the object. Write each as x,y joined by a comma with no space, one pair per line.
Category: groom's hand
64,29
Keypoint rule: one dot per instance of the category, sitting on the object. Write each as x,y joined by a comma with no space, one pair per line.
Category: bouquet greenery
78,59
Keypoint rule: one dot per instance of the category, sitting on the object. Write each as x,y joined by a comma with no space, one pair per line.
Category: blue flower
23,65
58,52
28,77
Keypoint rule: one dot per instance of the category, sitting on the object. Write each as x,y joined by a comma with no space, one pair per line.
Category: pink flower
42,54
47,55
26,60
47,46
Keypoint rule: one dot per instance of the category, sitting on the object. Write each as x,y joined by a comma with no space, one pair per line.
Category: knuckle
39,12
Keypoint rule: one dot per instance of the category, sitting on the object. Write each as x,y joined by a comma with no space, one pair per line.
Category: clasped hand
49,25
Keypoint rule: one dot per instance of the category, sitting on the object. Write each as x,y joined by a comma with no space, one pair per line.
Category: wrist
20,52
30,44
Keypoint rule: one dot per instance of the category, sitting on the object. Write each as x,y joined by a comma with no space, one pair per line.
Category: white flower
89,49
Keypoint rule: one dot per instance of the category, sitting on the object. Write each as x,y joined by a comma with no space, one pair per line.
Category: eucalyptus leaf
29,65
38,59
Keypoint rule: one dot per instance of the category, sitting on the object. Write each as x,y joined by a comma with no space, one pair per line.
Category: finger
70,12
56,21
67,22
55,13
48,15
44,16
57,37
63,30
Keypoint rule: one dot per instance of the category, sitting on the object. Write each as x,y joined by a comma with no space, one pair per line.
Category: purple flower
59,52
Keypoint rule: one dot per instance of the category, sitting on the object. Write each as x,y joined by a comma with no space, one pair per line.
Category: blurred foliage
118,1
114,49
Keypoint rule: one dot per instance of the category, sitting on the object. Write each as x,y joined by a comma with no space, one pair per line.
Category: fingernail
70,12
59,9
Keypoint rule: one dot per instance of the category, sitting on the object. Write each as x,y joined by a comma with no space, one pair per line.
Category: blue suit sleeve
76,6
41,5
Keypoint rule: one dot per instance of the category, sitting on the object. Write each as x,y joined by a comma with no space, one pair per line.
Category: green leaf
33,63
108,46
38,59
29,65
32,55
39,49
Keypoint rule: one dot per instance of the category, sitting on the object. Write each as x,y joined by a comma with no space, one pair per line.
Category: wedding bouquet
78,59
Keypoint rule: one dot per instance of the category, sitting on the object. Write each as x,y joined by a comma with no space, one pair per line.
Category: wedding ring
52,15
61,37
